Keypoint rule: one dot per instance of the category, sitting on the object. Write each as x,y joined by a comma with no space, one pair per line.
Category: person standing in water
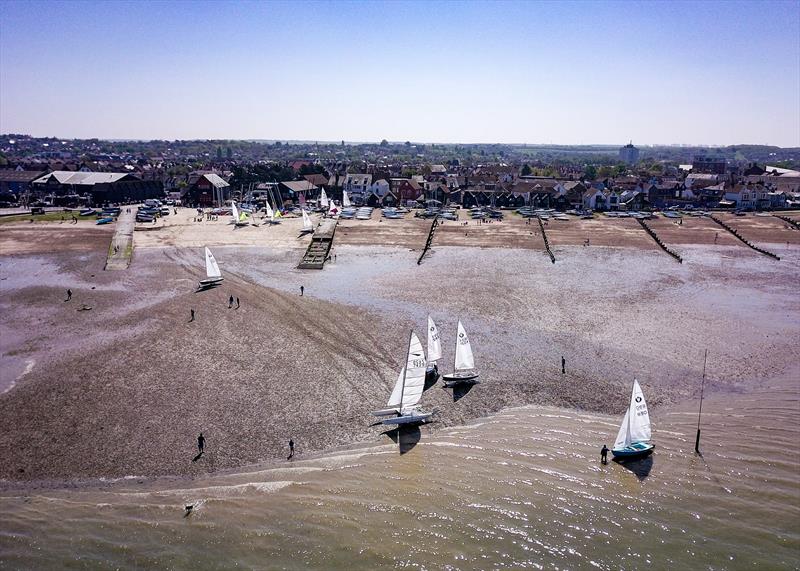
69,295
201,442
302,289
604,454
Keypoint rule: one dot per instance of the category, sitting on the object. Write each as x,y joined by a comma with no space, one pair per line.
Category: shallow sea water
521,489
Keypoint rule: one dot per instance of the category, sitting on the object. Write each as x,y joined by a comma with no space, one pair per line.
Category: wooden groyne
429,241
788,220
546,241
318,250
743,239
659,241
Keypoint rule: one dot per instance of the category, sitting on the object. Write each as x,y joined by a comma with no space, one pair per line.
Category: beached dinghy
402,405
434,354
239,218
464,364
308,228
633,438
214,276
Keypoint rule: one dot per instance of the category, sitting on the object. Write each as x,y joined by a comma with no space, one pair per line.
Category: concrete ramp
321,242
120,251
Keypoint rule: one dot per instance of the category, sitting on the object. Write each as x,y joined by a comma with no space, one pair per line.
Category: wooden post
702,387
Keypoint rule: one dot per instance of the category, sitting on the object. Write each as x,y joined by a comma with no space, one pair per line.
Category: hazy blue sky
532,72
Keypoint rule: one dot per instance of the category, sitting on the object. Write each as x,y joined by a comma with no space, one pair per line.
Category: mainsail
270,212
323,198
234,212
212,269
635,426
345,199
407,391
434,342
307,222
464,358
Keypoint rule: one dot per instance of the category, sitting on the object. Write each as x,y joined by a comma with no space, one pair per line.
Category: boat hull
415,418
385,412
635,450
210,282
460,378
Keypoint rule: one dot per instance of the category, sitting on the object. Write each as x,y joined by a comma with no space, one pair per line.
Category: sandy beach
124,388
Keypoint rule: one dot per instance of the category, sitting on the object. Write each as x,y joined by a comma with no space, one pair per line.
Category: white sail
464,358
332,210
307,222
323,198
234,212
270,212
639,416
635,426
212,269
622,436
434,342
345,199
408,391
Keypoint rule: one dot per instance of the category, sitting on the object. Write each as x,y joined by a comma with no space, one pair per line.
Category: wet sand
125,388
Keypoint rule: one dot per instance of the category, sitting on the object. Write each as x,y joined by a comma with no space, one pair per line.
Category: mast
699,412
455,354
405,372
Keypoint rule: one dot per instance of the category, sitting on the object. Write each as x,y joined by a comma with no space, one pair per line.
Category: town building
629,154
67,187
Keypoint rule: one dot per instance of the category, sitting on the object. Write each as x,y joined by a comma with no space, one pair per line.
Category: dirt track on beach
124,388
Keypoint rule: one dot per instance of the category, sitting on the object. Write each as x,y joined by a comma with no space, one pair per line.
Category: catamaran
633,438
407,392
308,227
434,353
239,218
463,364
214,276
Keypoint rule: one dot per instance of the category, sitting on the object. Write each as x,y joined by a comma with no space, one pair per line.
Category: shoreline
10,488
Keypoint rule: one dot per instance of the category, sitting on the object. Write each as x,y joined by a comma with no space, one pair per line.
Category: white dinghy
402,405
308,227
464,363
239,218
633,438
214,276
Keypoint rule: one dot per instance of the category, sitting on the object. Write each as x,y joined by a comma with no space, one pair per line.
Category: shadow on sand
639,466
405,436
461,390
196,458
206,287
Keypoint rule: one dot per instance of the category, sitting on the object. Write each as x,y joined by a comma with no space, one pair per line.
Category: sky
710,73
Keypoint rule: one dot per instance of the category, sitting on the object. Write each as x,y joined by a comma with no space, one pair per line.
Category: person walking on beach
237,303
563,365
201,442
302,289
291,449
192,319
604,454
716,235
230,302
69,295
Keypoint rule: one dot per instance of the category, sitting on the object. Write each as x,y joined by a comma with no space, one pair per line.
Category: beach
124,389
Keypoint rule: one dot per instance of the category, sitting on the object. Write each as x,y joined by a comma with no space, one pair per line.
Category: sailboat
402,405
308,228
463,363
214,276
434,353
634,432
345,200
239,218
323,199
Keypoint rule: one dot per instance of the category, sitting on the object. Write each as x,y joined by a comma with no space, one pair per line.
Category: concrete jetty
120,251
